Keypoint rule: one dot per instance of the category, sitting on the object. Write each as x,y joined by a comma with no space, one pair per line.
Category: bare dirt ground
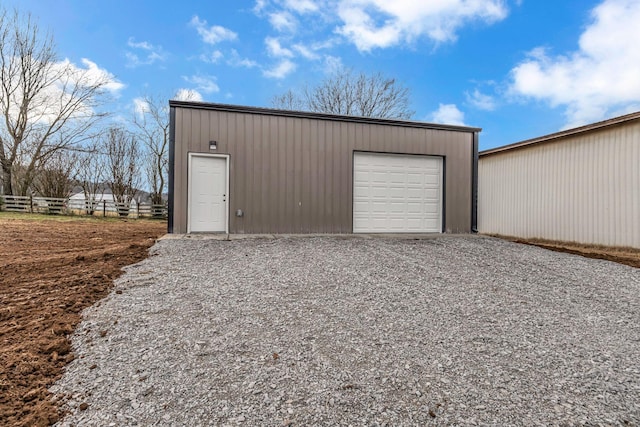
51,268
627,256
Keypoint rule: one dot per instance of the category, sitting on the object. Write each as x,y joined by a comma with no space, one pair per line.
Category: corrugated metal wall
294,175
583,188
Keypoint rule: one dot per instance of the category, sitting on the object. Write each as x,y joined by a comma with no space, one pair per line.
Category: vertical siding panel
322,176
240,174
301,178
330,174
180,173
279,181
596,194
252,217
272,175
625,195
286,135
335,179
268,145
635,187
338,183
346,141
621,199
603,171
593,196
613,190
309,164
250,206
583,188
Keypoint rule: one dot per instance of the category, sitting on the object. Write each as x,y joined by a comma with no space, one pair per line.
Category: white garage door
207,194
395,193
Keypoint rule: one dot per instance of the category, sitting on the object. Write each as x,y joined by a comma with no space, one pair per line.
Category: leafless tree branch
46,105
151,122
348,93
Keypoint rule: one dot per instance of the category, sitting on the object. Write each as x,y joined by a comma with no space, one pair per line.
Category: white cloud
206,84
281,70
92,74
274,48
139,45
259,6
237,61
211,58
332,64
373,24
283,21
140,106
213,34
481,101
599,79
67,84
305,52
448,114
188,95
147,53
301,6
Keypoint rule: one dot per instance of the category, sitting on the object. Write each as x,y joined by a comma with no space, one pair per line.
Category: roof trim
553,137
319,116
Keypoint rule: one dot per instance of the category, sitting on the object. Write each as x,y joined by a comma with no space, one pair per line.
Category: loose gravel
360,331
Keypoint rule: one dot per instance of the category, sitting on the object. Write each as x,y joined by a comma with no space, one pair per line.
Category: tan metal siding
294,175
584,188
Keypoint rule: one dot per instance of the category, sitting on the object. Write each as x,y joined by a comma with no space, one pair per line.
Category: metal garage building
580,185
236,169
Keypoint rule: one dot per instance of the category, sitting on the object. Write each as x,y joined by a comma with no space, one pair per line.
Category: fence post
30,204
104,208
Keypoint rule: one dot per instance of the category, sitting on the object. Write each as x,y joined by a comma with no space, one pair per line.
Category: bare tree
56,178
151,121
352,94
90,175
46,105
122,167
289,101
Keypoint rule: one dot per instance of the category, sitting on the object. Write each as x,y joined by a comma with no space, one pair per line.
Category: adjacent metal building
236,169
580,185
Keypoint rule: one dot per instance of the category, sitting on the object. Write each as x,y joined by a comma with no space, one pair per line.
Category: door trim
220,156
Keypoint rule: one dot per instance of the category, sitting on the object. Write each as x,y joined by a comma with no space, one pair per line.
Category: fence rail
57,206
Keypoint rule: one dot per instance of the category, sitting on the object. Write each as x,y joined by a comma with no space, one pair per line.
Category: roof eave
320,116
563,134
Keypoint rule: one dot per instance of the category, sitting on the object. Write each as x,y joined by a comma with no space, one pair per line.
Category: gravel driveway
360,331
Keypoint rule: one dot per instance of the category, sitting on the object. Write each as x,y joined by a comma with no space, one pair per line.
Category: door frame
189,197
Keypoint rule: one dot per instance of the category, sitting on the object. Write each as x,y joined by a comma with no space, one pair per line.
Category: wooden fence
56,206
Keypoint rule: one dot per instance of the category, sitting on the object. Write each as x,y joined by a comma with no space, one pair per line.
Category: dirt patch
50,271
627,256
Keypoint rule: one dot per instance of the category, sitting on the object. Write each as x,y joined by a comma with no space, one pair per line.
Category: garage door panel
414,193
432,193
397,193
415,208
415,179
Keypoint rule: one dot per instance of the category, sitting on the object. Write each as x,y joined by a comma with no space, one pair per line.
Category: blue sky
517,68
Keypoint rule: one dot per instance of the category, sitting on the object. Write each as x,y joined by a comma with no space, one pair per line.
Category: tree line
54,135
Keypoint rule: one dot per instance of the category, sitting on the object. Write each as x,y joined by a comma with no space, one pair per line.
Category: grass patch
67,218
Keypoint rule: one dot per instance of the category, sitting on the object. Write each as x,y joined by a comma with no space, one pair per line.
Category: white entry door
395,193
208,194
